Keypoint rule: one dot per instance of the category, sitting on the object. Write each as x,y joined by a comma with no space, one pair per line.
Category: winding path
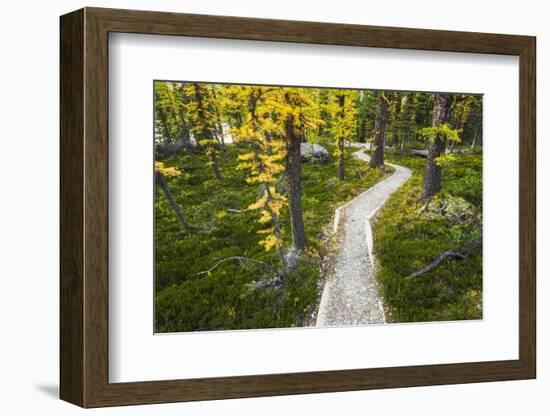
350,295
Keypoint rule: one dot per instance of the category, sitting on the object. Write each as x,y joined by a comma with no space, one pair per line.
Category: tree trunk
452,150
219,124
475,138
206,131
277,228
341,171
215,166
293,171
184,134
164,121
161,181
187,139
222,142
432,175
377,157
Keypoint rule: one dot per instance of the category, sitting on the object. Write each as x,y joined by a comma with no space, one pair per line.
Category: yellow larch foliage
264,160
343,118
166,171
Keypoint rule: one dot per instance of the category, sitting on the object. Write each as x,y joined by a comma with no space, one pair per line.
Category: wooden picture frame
84,207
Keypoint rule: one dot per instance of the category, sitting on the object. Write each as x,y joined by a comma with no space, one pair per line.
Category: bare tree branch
238,211
240,259
443,256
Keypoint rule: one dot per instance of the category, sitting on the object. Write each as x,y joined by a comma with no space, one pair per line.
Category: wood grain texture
527,207
71,213
84,207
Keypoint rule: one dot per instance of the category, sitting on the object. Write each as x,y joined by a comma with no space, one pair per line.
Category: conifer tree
163,172
298,113
437,137
218,127
366,113
377,157
202,114
171,125
264,161
460,112
404,120
343,123
472,129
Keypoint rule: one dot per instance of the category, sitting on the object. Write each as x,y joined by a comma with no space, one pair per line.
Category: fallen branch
425,207
240,259
163,183
263,285
443,256
418,152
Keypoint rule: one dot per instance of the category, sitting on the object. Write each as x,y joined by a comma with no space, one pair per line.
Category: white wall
29,206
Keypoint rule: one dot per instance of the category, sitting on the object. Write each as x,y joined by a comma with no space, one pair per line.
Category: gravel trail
350,295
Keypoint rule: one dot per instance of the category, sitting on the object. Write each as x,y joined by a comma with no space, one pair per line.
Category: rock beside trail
169,149
457,209
313,152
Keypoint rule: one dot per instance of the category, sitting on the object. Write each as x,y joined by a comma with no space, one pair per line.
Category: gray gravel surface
351,295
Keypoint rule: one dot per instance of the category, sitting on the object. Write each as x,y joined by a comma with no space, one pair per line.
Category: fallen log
239,259
418,152
446,254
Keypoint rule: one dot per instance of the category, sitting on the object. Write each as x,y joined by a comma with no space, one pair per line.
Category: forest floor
187,298
409,234
351,295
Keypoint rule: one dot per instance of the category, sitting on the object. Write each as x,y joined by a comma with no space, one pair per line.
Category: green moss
222,299
407,238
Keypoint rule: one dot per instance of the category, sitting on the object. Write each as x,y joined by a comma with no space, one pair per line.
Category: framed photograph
255,207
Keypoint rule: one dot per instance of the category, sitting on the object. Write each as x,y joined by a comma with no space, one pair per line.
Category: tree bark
475,138
164,121
207,132
219,124
432,175
215,166
341,169
377,157
161,181
184,135
294,171
277,227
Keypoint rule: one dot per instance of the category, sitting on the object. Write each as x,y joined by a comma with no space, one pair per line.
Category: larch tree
366,113
460,112
406,119
342,113
164,120
393,124
379,132
231,105
218,128
437,135
298,112
474,125
202,114
171,125
263,161
163,172
423,110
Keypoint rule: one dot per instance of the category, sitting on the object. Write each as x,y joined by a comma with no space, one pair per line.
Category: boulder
169,149
456,209
313,152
